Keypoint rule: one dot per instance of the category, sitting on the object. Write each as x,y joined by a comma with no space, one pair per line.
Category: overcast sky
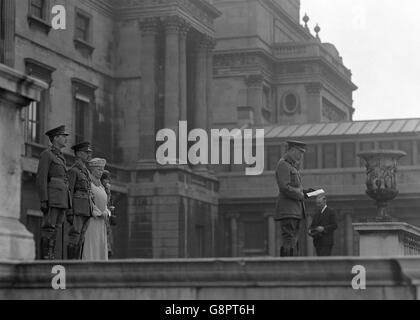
379,41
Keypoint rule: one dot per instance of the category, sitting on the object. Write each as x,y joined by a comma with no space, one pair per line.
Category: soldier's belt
81,195
57,180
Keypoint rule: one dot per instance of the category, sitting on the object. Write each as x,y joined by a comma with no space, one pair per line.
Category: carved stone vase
381,169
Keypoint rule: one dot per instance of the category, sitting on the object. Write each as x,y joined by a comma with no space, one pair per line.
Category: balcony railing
309,50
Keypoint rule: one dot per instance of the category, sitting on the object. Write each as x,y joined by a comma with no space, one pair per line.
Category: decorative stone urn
381,169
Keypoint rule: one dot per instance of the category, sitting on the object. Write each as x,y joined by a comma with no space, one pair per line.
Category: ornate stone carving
148,25
381,169
313,88
332,112
173,24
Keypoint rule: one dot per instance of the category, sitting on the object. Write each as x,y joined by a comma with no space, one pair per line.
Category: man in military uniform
80,190
290,207
53,190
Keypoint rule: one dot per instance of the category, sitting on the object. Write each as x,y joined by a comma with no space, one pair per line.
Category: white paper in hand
316,193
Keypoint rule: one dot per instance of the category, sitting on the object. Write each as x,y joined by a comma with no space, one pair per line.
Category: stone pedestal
16,92
388,239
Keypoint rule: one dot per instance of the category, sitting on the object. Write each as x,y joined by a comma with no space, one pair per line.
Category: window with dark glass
310,159
38,9
329,156
407,147
254,234
386,145
365,146
82,27
348,155
201,241
34,114
84,99
82,114
274,153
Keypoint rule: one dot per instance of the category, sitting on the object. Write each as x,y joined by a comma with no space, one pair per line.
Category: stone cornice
19,87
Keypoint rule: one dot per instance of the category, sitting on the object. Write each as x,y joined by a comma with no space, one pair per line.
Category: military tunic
53,189
290,207
80,190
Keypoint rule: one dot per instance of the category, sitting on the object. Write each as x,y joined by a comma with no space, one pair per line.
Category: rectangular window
82,108
273,157
201,241
38,9
329,156
366,146
84,99
82,27
33,122
407,147
386,145
310,159
254,234
348,155
34,115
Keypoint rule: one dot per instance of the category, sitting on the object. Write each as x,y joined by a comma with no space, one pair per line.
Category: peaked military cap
297,144
61,130
83,146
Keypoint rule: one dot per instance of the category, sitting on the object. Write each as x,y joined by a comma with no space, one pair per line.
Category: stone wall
221,279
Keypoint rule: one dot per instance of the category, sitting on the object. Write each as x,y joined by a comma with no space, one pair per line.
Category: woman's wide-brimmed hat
97,163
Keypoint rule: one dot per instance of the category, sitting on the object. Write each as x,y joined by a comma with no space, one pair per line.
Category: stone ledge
268,279
19,86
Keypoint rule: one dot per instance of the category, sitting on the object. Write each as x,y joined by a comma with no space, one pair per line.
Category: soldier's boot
291,252
51,249
45,245
72,252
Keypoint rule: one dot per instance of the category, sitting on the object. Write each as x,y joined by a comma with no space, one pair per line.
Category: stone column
16,91
148,72
234,234
314,106
255,96
201,85
172,72
210,48
7,32
183,71
349,232
271,234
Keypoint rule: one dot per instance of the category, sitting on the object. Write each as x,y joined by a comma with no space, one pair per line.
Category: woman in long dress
96,246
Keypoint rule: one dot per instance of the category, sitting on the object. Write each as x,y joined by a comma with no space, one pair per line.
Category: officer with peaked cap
290,207
53,190
80,190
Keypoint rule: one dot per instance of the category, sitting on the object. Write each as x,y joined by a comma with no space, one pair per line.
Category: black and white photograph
222,151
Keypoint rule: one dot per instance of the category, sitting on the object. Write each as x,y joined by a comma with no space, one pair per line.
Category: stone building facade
122,70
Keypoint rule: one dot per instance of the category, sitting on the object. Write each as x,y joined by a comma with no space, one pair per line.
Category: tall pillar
271,234
348,232
234,234
201,85
183,71
255,96
7,32
314,103
148,70
172,72
16,91
210,48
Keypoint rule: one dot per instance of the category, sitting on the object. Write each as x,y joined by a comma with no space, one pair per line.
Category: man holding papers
323,226
290,207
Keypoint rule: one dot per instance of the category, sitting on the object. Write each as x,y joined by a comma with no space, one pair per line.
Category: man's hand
320,229
44,207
